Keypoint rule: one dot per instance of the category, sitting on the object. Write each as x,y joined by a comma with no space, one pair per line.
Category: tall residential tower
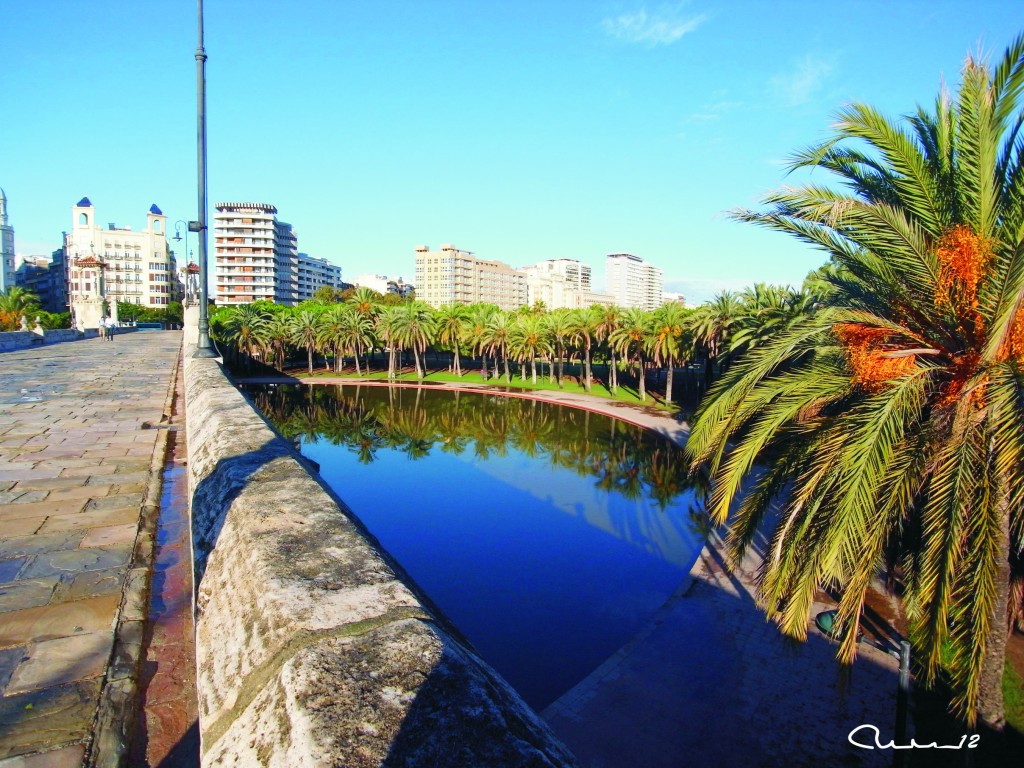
257,258
632,281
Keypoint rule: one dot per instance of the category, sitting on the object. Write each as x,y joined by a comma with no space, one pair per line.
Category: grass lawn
626,393
1013,697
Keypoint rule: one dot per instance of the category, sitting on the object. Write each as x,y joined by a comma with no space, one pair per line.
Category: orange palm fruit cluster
963,257
868,354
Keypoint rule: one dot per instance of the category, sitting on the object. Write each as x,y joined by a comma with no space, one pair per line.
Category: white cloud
713,111
802,82
663,26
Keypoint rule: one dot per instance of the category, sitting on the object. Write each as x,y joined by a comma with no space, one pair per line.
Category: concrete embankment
311,650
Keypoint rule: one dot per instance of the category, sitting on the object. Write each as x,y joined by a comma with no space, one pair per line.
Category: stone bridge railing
11,340
312,647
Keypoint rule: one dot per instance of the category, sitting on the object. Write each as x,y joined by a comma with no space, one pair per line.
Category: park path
80,455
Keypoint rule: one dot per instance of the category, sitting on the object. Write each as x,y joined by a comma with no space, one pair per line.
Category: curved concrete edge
310,649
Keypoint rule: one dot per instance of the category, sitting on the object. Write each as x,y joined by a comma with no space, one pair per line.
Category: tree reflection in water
622,458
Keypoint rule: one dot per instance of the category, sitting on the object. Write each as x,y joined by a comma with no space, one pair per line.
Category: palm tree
713,325
765,310
244,329
890,422
386,326
476,335
607,321
413,327
357,336
667,342
629,339
16,303
560,327
584,331
529,340
331,332
497,335
452,323
275,338
305,328
367,304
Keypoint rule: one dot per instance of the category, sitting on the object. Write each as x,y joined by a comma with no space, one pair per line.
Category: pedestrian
111,327
102,329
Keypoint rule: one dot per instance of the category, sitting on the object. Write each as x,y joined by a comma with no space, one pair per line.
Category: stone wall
11,340
311,650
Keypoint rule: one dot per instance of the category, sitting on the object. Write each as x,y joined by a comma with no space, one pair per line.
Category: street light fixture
190,288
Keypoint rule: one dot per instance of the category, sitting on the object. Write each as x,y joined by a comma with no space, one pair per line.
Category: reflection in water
547,534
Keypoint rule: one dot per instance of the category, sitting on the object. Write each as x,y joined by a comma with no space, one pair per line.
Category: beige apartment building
451,276
120,264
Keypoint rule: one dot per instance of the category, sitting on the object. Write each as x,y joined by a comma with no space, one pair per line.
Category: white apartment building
7,271
315,274
120,264
562,283
256,257
383,284
632,281
451,276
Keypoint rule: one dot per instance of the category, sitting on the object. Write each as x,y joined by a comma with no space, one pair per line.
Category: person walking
111,327
102,328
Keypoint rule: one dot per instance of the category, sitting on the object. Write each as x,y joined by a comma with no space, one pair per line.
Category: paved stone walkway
75,460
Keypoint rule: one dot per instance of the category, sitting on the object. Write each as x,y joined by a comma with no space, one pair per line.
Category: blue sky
517,130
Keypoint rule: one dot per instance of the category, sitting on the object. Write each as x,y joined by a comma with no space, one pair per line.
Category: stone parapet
12,340
311,648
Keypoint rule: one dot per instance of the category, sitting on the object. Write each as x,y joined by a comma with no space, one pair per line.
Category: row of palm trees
634,340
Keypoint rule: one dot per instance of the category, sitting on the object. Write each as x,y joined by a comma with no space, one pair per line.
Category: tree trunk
458,362
533,369
991,709
613,373
669,370
588,379
309,353
642,385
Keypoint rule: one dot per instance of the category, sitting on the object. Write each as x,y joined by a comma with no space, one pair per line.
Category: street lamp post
190,294
203,348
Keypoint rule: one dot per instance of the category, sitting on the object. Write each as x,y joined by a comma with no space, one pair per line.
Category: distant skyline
519,130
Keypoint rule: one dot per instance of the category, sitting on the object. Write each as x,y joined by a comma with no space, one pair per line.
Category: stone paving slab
48,718
75,457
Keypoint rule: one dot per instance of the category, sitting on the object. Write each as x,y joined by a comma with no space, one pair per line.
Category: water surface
548,535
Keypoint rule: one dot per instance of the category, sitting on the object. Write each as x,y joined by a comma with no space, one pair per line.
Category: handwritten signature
970,742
